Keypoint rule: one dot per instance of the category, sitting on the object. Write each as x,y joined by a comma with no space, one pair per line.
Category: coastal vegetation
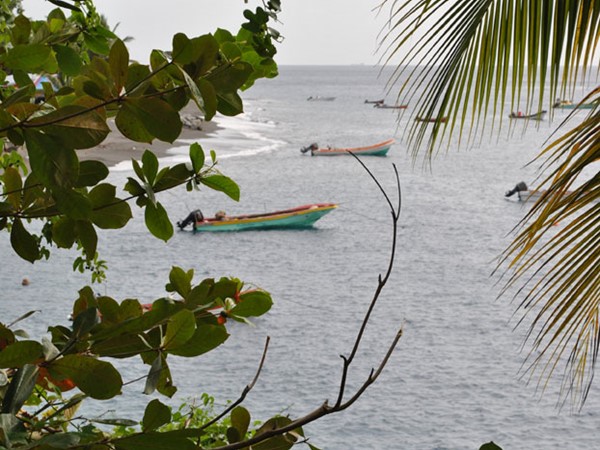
477,60
53,200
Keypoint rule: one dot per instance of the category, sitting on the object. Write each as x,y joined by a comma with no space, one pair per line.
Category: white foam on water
236,137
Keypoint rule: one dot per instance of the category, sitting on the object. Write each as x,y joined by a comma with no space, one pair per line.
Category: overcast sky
315,31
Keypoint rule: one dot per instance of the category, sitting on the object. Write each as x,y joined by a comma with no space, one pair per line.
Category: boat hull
431,119
577,106
384,106
380,149
536,116
301,217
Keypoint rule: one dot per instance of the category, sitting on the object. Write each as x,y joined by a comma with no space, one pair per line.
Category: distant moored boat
384,106
535,116
379,149
319,98
431,119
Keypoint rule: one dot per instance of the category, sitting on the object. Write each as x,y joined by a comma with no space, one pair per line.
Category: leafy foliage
481,56
57,201
92,81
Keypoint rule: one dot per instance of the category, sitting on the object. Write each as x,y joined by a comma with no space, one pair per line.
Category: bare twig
340,405
245,392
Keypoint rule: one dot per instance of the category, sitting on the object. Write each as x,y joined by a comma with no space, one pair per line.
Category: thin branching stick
246,390
325,408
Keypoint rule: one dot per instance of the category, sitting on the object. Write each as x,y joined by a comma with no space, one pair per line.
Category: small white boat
523,193
318,98
379,149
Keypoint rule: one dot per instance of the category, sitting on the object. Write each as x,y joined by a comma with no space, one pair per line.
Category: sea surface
452,383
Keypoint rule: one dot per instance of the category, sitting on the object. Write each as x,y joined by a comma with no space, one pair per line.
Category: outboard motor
520,187
192,218
312,147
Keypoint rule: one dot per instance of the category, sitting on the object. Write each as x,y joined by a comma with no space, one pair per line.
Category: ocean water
453,381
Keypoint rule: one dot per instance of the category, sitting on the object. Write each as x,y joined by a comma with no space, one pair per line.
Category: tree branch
325,408
245,392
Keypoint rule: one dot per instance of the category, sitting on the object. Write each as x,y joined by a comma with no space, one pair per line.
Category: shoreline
116,148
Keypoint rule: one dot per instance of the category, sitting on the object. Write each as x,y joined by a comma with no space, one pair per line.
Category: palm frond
563,295
469,60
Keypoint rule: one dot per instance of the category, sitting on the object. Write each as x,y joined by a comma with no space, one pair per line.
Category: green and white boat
300,217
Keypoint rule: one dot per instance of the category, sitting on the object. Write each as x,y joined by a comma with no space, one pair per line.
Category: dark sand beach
117,148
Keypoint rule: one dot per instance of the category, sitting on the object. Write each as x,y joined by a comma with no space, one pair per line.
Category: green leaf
158,63
124,346
209,96
180,281
223,184
84,322
180,329
173,176
109,309
283,442
95,90
138,76
74,126
224,288
207,50
96,43
63,232
229,104
197,157
87,236
205,339
490,446
194,90
31,57
150,166
240,419
68,59
20,389
231,50
109,212
156,415
20,353
253,303
157,221
130,124
21,30
154,375
183,51
112,217
157,116
233,435
91,173
13,184
52,162
98,379
232,78
154,441
66,5
23,243
199,295
118,59
72,203
116,422
222,36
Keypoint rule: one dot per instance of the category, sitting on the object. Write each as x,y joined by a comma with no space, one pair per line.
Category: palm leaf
471,60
